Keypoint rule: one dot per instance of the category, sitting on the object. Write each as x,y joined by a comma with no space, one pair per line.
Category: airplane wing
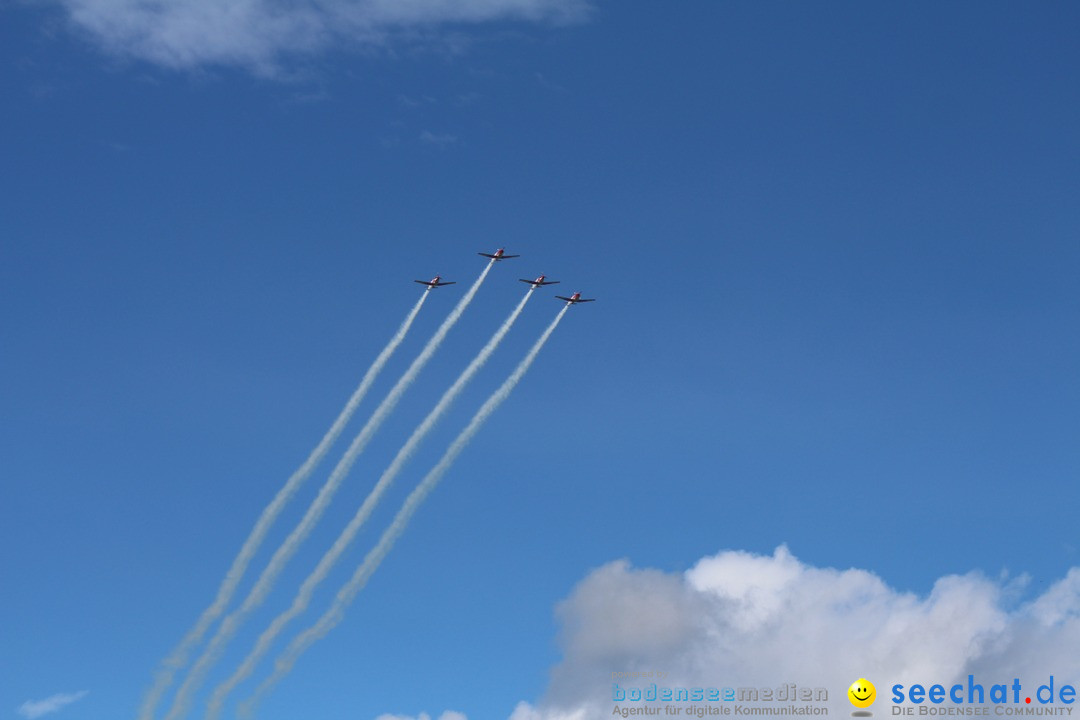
546,282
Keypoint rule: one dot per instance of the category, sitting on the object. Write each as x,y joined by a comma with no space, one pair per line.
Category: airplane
575,299
540,282
435,282
498,255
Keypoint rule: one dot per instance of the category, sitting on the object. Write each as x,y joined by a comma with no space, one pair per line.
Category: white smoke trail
277,563
326,564
178,657
334,615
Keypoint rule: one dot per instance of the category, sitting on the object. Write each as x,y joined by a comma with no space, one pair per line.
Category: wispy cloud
256,34
37,708
441,139
448,715
544,82
415,102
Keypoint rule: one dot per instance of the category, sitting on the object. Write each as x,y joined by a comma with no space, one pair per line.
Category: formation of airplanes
500,254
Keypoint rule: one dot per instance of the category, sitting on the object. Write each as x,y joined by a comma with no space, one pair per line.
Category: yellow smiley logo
862,693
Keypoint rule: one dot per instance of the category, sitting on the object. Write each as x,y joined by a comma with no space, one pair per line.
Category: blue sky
835,252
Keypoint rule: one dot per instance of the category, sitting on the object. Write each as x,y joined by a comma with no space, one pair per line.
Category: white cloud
448,715
254,34
36,708
743,619
437,138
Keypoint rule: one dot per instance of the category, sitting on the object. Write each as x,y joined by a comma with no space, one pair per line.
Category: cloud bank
254,34
740,619
36,708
